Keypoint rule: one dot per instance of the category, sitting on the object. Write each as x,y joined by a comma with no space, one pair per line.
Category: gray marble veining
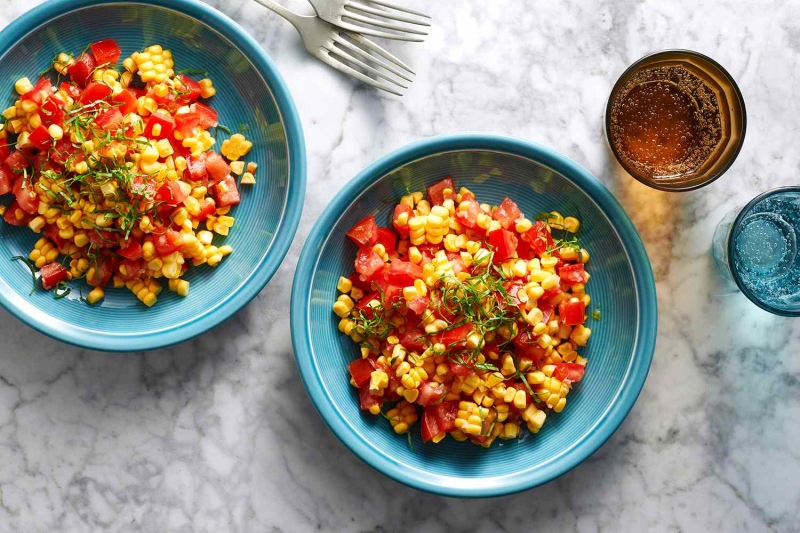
219,435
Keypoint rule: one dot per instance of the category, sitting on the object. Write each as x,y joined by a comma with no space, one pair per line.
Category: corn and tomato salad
469,317
114,167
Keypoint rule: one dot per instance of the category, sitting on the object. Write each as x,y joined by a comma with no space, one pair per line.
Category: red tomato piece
504,243
459,370
361,370
402,229
546,309
430,392
10,216
52,112
106,51
208,117
127,101
131,249
82,69
27,199
550,294
6,179
109,120
190,91
41,90
455,336
404,273
185,123
106,265
207,207
572,274
171,193
52,274
168,242
217,168
364,232
366,398
430,424
131,269
72,90
538,237
436,195
446,414
368,263
413,339
456,262
103,238
387,238
18,161
166,122
196,168
51,232
419,305
61,151
94,92
40,138
5,151
569,372
469,218
572,311
507,213
226,193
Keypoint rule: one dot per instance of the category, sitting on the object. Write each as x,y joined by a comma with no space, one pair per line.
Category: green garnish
32,268
201,72
62,285
596,315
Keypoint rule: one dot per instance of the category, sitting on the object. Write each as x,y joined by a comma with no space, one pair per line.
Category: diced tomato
367,399
106,51
524,250
131,249
456,262
40,138
6,179
363,304
5,151
41,90
72,90
190,91
127,100
208,117
504,243
11,215
360,370
103,238
436,194
52,112
572,274
27,199
546,309
550,294
185,123
454,337
507,213
569,372
446,414
166,122
106,265
413,339
217,168
513,290
110,120
172,193
207,207
469,218
402,229
196,168
62,150
81,70
51,232
430,392
459,370
364,232
404,273
94,91
131,269
572,311
168,242
418,305
18,161
368,262
538,237
387,238
430,424
529,349
52,274
226,193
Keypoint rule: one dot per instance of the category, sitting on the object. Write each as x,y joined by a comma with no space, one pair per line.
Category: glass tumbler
755,246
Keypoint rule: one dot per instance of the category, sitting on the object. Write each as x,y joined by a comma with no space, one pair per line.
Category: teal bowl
620,349
250,91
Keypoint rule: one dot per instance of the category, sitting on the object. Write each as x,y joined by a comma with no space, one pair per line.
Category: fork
340,49
362,18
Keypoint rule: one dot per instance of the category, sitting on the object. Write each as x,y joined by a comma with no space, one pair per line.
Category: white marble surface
218,435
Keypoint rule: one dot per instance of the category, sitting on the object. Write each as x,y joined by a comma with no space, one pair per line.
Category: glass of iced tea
675,120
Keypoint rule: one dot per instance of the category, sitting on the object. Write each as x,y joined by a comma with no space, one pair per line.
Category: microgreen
31,266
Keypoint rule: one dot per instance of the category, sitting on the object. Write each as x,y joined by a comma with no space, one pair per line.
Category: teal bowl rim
637,371
287,227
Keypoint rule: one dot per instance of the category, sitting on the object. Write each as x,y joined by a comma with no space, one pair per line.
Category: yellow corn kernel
580,335
95,295
23,85
37,224
344,284
248,179
237,167
572,224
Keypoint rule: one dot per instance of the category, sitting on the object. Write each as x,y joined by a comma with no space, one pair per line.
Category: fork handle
295,18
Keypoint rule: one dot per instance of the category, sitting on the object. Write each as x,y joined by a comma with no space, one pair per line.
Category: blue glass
756,248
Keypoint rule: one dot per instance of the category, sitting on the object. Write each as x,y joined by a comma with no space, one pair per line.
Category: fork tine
347,44
368,68
386,25
379,50
392,5
338,65
386,14
376,33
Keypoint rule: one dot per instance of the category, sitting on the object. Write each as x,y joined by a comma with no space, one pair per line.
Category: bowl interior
450,467
199,39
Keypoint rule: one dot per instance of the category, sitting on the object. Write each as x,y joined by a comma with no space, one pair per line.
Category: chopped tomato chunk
572,274
159,126
441,191
364,232
106,51
402,214
361,370
82,69
217,168
572,311
52,274
403,273
569,372
226,192
504,243
368,263
507,213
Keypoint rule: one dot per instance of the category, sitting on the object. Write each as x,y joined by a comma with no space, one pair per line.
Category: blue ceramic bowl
619,352
250,91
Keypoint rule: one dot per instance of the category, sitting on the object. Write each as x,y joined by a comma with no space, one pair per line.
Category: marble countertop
219,435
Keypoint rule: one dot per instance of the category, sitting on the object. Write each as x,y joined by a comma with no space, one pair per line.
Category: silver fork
344,50
362,17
